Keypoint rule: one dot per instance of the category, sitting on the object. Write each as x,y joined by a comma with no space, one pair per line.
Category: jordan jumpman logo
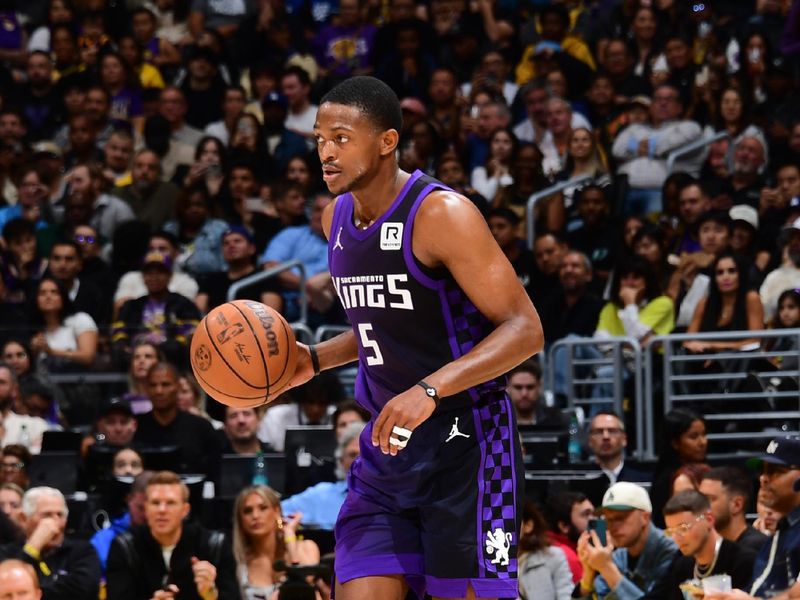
338,243
454,432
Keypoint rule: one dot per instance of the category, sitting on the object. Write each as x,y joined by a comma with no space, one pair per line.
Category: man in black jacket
168,559
163,318
199,447
67,569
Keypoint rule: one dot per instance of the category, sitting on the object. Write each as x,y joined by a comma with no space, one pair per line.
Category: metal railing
692,147
744,387
534,198
268,274
585,387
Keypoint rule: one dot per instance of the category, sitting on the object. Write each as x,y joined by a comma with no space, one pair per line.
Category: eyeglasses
17,466
85,239
682,529
610,430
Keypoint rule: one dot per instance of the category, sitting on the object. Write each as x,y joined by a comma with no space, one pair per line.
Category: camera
296,587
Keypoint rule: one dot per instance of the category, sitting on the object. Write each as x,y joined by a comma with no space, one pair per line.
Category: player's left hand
407,410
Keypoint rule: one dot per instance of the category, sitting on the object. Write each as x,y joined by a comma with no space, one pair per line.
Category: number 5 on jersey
364,329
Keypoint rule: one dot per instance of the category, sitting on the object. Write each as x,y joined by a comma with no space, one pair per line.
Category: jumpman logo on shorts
454,432
338,243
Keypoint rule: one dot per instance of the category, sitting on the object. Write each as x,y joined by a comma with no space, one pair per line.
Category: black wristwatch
430,391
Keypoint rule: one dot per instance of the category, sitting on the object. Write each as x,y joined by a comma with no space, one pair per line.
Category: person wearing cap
705,553
635,561
744,232
132,285
116,423
203,86
238,251
164,318
776,565
282,143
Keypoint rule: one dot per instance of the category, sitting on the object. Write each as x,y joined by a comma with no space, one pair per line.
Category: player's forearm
512,342
337,351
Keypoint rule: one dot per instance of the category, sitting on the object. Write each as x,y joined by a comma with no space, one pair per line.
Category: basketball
243,353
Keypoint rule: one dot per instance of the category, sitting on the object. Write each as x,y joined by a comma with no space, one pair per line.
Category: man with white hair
18,581
320,503
750,160
67,569
555,143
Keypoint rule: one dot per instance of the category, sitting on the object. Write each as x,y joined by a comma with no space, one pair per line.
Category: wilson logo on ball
266,321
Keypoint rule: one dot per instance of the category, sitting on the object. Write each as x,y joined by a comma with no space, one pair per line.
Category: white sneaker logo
499,544
454,432
338,243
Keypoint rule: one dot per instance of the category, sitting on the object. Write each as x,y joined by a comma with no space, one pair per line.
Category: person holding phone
634,559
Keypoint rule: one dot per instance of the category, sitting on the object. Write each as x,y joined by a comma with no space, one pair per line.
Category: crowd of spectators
155,152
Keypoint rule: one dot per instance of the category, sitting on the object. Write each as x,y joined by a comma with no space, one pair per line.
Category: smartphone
253,204
599,525
214,170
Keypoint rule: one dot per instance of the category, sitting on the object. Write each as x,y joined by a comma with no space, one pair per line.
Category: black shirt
198,445
731,561
751,540
560,320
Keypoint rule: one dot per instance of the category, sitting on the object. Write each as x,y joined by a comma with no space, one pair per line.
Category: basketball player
438,315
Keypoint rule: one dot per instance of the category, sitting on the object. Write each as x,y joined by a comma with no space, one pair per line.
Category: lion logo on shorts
498,543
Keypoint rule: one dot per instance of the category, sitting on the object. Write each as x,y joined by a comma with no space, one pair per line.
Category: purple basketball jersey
409,321
444,512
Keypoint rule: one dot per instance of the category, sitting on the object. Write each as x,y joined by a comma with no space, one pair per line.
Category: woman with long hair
495,173
143,356
584,157
17,354
60,12
732,112
122,84
64,339
644,40
261,536
683,442
209,167
731,305
650,243
544,573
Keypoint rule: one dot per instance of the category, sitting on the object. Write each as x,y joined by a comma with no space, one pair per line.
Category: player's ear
389,140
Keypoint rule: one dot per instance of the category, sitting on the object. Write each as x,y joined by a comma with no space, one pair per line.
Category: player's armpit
449,231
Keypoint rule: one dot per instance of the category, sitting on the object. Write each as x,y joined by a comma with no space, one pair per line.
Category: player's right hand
304,370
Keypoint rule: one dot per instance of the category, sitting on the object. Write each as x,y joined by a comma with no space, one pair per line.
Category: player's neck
375,198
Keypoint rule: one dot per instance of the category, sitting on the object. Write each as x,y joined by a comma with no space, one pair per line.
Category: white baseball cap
625,495
746,213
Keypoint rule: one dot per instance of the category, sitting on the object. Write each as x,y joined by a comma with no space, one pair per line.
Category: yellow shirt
150,76
571,44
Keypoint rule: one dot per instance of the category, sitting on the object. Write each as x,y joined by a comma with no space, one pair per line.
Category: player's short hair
372,97
733,479
687,501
